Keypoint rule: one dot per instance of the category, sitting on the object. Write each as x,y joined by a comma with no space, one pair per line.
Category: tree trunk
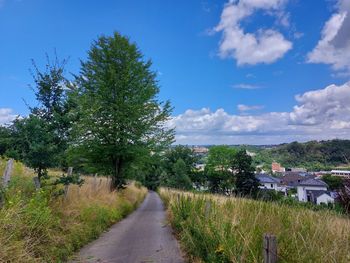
39,174
117,181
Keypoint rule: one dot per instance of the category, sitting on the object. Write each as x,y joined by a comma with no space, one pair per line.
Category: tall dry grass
233,229
38,226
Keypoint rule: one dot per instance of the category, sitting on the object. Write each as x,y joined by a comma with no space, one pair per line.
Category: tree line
227,171
313,155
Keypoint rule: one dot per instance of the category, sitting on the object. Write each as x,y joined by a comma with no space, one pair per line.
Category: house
310,189
200,150
324,198
277,168
200,166
268,182
341,173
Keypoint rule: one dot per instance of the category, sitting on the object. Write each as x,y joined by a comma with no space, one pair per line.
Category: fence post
270,248
7,173
95,182
37,183
207,209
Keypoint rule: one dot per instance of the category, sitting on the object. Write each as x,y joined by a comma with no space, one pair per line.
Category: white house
268,182
325,198
310,189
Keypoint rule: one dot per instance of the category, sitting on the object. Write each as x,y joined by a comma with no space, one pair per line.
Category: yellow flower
219,250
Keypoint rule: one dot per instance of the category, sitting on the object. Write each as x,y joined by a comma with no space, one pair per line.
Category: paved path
142,237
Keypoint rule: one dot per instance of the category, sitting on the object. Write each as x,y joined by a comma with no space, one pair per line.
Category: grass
37,226
232,229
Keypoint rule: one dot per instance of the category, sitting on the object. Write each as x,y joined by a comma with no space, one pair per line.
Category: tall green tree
119,112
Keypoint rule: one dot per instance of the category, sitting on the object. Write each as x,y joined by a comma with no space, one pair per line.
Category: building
341,173
310,189
268,182
324,198
298,170
277,168
200,150
200,166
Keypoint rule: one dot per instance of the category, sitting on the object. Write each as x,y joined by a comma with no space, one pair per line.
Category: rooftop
313,182
264,178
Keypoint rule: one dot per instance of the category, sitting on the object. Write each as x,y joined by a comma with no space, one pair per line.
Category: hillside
311,155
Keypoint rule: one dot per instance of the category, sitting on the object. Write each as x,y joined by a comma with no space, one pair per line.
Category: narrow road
142,237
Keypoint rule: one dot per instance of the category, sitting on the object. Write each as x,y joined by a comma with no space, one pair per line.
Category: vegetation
344,195
39,226
313,155
107,120
178,165
228,168
232,229
334,182
120,117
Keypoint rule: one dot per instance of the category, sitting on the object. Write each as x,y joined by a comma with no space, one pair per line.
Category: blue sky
232,69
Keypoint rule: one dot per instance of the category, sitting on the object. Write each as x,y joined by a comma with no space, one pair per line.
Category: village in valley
296,182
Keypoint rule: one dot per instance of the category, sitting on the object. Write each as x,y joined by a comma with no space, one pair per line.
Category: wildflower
219,250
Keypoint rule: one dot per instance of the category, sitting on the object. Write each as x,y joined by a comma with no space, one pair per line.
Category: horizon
237,72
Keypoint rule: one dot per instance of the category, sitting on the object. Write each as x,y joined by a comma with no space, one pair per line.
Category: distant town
298,182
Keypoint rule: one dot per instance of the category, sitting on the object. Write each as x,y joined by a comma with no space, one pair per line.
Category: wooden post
37,183
270,248
7,173
207,209
95,182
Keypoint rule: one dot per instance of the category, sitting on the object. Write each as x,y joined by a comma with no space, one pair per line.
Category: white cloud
334,46
6,116
243,107
319,114
263,46
245,86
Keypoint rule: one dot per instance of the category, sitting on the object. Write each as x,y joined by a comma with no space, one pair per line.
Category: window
271,185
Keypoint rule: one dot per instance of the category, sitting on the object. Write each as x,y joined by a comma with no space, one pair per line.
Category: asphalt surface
142,237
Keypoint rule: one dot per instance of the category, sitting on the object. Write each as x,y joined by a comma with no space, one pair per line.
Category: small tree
334,182
5,140
246,182
40,139
218,168
33,144
180,178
